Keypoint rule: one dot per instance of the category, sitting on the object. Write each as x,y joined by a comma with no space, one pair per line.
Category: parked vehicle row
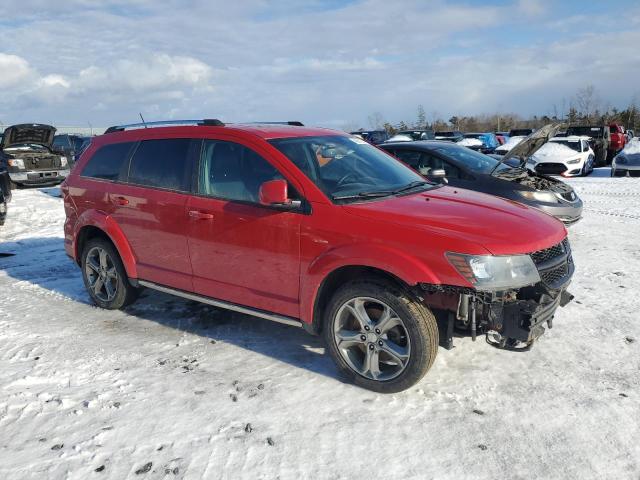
318,229
465,168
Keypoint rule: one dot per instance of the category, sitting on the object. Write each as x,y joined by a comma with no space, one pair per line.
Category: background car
566,156
599,139
484,142
465,168
627,162
618,140
27,151
503,137
508,145
451,136
520,132
70,145
418,134
5,189
374,137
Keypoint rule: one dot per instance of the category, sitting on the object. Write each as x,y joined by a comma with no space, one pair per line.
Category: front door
241,251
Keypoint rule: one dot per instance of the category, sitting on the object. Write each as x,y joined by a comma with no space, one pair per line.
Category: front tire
379,336
104,276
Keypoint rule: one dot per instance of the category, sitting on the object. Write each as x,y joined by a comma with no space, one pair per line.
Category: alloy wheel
372,338
101,273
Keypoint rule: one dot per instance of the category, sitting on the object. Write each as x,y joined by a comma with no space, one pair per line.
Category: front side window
232,171
163,163
107,162
346,168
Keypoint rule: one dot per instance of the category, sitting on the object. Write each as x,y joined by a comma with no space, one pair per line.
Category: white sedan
566,156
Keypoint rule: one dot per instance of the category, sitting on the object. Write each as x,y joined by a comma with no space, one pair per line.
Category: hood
500,226
532,143
28,133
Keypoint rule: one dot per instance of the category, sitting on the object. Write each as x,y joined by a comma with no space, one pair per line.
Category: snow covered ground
173,389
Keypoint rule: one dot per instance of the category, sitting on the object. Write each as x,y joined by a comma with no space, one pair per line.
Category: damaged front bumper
511,319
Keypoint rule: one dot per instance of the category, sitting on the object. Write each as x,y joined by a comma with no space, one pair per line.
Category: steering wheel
344,178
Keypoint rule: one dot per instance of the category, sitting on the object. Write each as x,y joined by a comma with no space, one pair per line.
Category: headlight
574,161
489,272
63,161
546,197
16,162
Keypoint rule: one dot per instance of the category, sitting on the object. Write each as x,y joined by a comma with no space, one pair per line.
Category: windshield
475,161
447,134
348,166
572,144
418,134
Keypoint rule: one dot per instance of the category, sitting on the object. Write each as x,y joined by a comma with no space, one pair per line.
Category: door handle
196,215
119,201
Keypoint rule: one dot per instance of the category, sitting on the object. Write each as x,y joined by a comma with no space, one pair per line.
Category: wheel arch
342,265
95,224
341,276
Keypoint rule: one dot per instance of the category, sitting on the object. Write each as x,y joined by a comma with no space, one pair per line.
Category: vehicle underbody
511,319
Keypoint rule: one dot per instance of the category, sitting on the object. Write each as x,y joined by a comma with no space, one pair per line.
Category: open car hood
532,144
28,133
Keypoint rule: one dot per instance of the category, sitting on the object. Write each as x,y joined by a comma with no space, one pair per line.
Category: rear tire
13,185
104,276
406,335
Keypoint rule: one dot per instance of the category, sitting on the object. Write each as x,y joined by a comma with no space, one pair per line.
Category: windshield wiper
373,194
382,193
411,186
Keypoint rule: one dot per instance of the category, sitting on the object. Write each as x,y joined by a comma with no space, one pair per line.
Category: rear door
241,251
150,208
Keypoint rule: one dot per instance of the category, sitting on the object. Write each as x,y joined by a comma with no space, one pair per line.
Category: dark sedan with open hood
505,177
28,152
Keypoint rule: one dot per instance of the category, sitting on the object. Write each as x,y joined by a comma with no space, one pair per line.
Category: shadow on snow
43,262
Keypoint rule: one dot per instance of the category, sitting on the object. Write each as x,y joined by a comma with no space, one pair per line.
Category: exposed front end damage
512,319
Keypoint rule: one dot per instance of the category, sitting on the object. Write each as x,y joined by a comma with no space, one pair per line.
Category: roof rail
294,123
207,122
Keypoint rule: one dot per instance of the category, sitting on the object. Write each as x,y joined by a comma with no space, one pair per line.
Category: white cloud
251,60
13,70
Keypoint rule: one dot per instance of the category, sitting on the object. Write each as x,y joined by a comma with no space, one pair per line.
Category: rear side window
108,161
164,163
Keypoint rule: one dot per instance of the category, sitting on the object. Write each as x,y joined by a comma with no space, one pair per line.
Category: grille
552,276
542,256
551,168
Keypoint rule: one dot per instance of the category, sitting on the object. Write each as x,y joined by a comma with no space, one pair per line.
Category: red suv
313,228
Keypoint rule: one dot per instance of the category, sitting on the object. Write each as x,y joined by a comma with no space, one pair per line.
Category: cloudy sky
330,62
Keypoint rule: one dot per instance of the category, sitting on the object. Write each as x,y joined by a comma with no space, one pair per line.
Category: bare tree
587,101
376,121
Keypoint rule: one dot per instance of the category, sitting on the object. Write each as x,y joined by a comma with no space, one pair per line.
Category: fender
109,226
396,262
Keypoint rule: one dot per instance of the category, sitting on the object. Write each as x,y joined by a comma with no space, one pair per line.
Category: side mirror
438,175
274,194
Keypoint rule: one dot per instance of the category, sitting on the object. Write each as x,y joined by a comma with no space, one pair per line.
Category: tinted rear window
162,163
107,162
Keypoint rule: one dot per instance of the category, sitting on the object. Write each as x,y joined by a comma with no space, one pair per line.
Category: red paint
618,138
274,259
